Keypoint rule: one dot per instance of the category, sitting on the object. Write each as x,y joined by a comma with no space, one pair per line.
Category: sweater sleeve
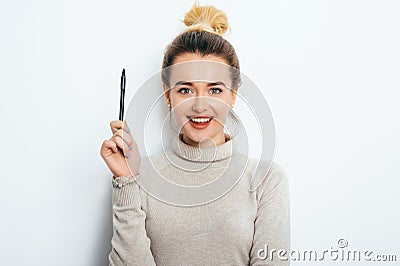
272,223
129,244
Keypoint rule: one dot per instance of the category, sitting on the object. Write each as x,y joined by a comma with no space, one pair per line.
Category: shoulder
267,177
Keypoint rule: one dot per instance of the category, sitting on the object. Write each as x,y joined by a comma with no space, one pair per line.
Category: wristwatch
121,181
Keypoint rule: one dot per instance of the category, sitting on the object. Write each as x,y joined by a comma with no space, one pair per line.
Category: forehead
200,71
195,57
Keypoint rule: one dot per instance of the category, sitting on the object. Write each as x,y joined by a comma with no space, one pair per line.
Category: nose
199,104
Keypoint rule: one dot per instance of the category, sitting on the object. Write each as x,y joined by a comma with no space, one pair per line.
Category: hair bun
206,18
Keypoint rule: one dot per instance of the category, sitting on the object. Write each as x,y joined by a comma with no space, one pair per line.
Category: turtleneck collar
202,154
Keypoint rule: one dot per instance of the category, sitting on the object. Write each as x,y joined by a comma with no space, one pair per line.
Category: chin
198,135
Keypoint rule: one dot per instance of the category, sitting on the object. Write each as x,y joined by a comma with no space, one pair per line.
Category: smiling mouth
199,122
200,119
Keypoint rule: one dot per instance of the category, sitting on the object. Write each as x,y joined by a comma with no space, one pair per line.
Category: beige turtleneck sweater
229,230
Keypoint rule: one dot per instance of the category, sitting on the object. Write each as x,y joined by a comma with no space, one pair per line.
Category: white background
328,69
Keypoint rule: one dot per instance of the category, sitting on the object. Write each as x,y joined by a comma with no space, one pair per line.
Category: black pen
122,97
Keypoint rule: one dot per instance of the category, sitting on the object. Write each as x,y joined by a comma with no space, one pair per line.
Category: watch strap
122,181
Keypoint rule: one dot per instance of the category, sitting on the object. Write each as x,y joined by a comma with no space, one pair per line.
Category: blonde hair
206,18
203,36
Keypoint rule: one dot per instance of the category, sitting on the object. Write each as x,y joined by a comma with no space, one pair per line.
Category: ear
166,93
234,93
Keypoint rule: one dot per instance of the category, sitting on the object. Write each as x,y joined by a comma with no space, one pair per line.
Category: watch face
114,183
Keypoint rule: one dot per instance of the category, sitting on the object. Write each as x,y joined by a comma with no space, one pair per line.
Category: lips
200,122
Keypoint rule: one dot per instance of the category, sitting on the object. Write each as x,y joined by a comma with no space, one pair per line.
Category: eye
184,91
215,90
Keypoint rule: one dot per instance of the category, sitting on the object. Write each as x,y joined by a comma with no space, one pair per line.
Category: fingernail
128,154
130,147
116,149
126,126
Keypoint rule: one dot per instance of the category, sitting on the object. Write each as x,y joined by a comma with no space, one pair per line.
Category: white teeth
200,120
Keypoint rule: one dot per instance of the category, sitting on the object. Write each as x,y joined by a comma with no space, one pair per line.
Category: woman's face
200,108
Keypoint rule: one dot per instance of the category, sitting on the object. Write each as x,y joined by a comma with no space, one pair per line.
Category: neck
189,153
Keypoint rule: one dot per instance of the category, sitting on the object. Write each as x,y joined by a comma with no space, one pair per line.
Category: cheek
175,99
222,117
221,110
179,117
179,111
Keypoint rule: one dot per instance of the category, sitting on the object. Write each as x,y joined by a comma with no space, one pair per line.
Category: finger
118,124
127,137
115,125
121,145
109,145
126,127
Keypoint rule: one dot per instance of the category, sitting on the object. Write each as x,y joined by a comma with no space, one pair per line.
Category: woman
240,228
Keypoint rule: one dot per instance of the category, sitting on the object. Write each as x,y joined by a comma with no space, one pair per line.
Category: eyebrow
191,84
